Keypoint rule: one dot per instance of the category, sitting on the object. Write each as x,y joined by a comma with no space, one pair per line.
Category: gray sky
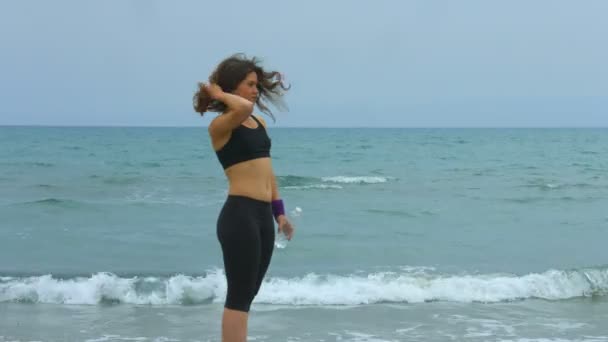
351,63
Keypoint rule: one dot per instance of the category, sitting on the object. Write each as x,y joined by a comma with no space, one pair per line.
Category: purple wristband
278,208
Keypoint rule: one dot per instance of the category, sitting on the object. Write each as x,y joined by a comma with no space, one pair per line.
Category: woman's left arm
279,211
278,207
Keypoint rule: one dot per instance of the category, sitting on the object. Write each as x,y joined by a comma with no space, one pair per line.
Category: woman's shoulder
260,119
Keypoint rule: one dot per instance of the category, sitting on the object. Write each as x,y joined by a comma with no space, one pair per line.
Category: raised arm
239,109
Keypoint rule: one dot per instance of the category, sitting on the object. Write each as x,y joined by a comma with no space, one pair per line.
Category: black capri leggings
245,229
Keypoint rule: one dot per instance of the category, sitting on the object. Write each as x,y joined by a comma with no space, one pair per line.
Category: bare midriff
251,178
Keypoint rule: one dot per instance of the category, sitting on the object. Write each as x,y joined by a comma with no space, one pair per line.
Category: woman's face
248,88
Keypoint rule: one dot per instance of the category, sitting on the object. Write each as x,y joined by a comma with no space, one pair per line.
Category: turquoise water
402,234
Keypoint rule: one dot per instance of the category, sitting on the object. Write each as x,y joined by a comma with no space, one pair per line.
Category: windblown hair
230,73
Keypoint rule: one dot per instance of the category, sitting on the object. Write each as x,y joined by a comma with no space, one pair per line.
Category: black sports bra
245,144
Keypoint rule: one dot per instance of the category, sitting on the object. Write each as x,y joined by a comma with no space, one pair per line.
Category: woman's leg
234,325
239,235
267,236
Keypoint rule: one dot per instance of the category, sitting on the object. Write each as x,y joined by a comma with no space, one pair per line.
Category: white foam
403,331
483,327
163,196
108,287
355,179
311,289
562,326
586,339
417,269
355,336
313,186
105,338
315,289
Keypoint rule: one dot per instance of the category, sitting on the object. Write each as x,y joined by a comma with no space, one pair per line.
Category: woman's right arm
239,109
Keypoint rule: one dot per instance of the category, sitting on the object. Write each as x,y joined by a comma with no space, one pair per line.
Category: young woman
245,226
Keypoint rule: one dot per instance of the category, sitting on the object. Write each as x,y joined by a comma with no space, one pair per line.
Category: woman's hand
213,90
285,226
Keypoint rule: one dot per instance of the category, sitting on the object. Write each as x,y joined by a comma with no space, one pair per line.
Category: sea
402,234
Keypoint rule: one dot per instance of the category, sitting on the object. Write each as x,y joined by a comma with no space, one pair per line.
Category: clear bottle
294,217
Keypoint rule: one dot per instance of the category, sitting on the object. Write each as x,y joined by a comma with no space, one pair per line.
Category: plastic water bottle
294,216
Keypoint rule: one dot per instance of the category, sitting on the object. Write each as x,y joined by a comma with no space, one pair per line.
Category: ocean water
108,234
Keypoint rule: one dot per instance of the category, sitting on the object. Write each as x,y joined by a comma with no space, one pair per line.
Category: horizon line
305,127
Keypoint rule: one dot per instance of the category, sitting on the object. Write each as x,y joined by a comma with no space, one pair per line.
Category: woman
245,227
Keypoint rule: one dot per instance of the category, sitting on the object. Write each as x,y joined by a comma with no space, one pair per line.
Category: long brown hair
230,73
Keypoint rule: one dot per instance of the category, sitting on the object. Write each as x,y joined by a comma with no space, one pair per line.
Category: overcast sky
350,63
